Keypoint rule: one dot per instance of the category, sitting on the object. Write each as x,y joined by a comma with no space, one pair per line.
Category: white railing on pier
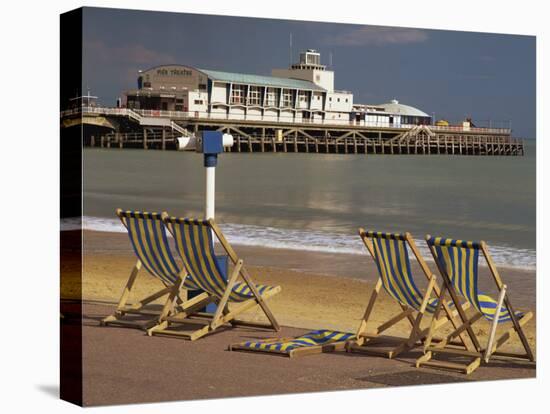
136,114
179,128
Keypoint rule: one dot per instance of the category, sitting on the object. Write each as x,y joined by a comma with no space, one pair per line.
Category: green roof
261,80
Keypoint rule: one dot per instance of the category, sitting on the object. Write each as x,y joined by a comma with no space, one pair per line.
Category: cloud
377,36
133,54
108,63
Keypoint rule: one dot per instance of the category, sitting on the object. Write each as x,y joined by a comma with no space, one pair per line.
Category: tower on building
309,68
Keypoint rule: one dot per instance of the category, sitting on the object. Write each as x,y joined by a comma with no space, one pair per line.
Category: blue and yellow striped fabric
394,267
385,236
460,260
196,248
148,237
315,338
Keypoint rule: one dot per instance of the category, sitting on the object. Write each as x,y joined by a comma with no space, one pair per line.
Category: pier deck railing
136,114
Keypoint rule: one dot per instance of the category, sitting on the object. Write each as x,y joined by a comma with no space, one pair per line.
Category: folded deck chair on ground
147,233
315,342
458,262
391,256
195,245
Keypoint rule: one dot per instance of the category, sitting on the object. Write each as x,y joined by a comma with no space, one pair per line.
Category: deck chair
457,261
194,243
315,342
390,253
148,237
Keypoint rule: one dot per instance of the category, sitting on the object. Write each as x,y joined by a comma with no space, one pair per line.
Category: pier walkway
127,128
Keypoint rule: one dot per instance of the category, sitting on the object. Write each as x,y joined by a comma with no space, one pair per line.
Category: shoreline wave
296,239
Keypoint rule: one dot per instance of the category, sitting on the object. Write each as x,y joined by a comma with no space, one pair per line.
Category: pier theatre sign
172,76
174,72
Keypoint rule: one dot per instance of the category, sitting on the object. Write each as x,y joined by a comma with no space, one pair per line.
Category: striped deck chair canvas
315,342
390,253
195,245
458,263
148,237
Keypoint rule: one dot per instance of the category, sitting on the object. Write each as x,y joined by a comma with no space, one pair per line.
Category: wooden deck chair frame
167,324
365,335
473,348
139,307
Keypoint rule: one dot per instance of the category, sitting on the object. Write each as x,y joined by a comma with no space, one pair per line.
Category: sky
449,74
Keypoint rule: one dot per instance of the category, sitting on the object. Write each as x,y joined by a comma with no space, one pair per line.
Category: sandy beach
319,290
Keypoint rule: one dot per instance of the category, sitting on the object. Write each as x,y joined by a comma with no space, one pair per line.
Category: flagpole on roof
290,50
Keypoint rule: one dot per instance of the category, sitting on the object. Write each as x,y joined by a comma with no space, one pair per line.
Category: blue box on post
211,142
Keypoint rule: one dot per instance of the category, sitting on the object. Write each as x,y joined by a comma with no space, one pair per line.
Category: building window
198,101
202,86
254,96
271,99
338,99
302,96
238,94
287,98
346,100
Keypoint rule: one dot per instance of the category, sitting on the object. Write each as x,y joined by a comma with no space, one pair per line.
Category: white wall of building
317,101
237,112
286,116
302,100
337,118
254,114
197,102
271,115
219,92
218,112
317,118
339,101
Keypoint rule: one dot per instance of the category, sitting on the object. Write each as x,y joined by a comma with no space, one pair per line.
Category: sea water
318,201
